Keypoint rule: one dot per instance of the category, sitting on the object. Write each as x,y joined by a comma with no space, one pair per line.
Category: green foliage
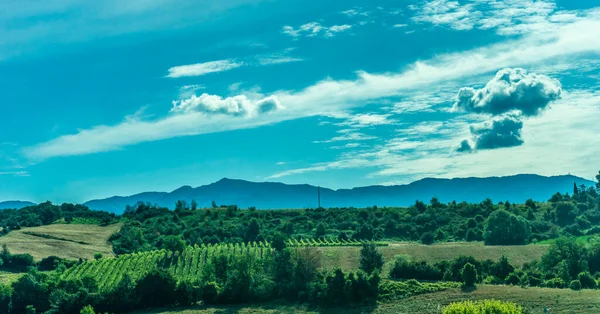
404,268
88,309
575,285
505,228
469,275
391,290
5,296
370,258
427,238
156,289
482,307
586,280
98,255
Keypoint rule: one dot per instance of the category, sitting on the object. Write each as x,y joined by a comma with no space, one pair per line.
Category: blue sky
111,97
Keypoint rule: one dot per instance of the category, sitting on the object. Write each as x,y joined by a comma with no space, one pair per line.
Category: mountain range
15,204
270,195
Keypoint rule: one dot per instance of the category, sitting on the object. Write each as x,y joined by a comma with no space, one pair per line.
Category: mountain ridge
273,195
276,195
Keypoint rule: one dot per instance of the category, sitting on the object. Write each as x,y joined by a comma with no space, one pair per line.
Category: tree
5,294
87,310
214,204
370,258
252,231
575,189
320,231
156,289
194,204
469,275
181,205
97,255
173,243
565,213
504,228
598,180
503,268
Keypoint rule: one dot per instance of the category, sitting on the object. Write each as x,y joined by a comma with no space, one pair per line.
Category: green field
533,299
72,241
348,257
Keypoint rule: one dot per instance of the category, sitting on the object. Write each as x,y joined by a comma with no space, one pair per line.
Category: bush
469,275
427,238
87,310
210,292
554,283
404,268
485,306
586,280
575,285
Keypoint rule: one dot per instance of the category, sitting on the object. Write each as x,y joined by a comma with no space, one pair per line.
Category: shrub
485,306
575,285
210,292
404,268
87,310
469,275
98,255
586,280
427,238
554,283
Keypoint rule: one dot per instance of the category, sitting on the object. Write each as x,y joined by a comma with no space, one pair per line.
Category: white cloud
313,29
200,69
568,42
15,173
427,149
349,135
269,60
400,25
508,17
239,105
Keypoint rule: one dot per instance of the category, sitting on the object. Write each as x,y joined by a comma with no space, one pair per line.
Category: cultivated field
71,241
348,257
533,299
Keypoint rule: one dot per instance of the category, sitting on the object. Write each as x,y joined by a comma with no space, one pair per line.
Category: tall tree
194,204
370,258
598,179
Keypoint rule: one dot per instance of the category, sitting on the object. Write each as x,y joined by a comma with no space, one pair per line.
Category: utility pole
319,195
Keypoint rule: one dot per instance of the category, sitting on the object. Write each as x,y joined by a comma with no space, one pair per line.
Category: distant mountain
15,204
270,195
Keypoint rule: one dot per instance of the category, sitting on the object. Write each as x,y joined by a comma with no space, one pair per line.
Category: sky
111,97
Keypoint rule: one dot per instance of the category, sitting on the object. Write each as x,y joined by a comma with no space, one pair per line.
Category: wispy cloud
30,25
509,17
329,95
200,69
313,29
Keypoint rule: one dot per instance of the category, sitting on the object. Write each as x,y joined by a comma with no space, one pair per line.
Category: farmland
72,241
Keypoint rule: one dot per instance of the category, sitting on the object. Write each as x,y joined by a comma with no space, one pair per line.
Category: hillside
270,195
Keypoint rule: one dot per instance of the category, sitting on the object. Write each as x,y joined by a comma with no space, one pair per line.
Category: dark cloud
509,90
464,147
501,132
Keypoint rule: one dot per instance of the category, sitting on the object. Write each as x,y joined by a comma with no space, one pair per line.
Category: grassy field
533,299
71,241
348,257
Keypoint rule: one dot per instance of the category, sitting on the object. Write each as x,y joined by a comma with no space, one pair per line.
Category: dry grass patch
64,240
